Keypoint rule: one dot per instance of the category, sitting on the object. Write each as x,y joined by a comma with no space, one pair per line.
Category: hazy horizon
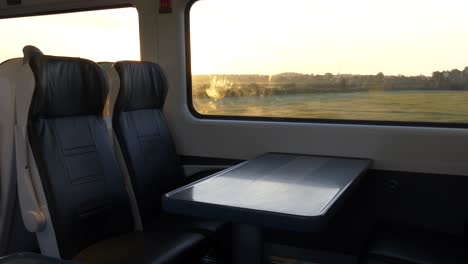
335,74
315,36
102,35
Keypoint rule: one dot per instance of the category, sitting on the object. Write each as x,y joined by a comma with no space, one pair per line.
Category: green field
409,106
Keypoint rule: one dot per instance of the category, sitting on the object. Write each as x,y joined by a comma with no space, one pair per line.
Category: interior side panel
416,149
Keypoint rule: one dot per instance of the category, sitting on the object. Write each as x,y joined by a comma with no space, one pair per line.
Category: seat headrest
142,86
67,87
30,51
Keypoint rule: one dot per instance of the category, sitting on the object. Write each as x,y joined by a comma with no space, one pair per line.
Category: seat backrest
84,188
142,131
114,86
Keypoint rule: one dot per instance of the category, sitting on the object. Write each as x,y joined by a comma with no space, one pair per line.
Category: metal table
284,191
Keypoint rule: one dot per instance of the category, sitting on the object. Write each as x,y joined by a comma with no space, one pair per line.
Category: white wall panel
432,150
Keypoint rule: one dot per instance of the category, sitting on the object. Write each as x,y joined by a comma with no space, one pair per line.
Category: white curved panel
432,150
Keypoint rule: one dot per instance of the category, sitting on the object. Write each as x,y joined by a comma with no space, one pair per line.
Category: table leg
247,245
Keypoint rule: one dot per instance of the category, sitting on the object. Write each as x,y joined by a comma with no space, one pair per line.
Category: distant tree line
219,86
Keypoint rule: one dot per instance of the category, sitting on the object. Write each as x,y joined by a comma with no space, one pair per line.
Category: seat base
218,233
32,258
419,247
209,228
142,247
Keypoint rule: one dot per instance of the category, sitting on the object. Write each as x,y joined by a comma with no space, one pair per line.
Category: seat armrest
33,217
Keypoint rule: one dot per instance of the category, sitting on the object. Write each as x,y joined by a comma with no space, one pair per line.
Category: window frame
200,116
69,10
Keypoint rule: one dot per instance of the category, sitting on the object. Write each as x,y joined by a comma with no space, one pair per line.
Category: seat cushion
210,228
139,247
218,233
32,258
380,261
418,247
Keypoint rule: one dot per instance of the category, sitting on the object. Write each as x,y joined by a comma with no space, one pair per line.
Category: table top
280,190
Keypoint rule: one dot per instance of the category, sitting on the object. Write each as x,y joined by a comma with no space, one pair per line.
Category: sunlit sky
409,37
104,35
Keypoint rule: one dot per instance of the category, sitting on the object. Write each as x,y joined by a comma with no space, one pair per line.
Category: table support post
247,245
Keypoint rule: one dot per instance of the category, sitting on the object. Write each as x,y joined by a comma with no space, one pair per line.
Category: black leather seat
147,145
403,245
84,188
162,247
32,258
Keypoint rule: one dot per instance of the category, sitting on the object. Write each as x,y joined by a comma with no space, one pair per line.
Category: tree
437,78
465,75
343,83
380,77
455,75
328,76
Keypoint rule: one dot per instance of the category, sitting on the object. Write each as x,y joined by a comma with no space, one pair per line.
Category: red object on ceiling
165,6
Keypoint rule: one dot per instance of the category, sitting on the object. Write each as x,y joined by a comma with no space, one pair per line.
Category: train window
402,62
101,35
